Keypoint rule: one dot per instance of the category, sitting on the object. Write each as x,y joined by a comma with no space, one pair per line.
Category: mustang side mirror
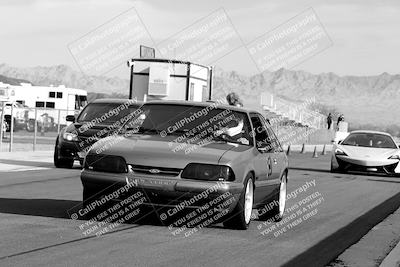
265,148
70,118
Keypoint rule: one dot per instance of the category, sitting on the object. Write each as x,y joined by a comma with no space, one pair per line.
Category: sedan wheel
61,163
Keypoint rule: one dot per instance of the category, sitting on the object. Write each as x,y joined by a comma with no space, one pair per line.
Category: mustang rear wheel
241,216
275,209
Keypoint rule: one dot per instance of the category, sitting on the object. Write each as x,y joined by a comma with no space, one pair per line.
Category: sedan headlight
395,157
208,172
70,137
340,152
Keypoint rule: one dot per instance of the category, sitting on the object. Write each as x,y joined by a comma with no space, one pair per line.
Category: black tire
30,125
61,163
236,219
270,210
340,169
87,198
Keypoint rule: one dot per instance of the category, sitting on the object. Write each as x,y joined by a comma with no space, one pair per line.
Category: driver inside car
234,132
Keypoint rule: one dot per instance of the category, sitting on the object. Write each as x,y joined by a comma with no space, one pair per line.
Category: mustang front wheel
241,216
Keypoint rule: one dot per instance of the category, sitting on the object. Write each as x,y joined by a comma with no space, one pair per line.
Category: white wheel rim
282,196
248,201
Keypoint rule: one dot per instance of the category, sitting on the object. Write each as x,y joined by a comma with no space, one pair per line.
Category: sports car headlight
70,137
338,151
208,172
394,157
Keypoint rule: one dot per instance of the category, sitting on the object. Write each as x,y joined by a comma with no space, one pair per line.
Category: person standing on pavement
339,120
329,121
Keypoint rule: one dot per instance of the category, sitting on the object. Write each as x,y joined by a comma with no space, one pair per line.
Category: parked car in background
366,151
98,119
162,153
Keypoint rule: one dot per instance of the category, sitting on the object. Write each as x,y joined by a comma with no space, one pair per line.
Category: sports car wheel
339,169
241,216
276,207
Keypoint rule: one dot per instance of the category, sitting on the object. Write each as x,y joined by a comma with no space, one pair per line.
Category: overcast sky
365,34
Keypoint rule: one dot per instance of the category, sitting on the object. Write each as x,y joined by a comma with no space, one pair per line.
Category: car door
263,161
279,159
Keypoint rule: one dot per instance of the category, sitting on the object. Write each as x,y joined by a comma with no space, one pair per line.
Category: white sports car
367,151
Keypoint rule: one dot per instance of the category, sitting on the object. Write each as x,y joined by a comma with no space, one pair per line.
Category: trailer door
71,103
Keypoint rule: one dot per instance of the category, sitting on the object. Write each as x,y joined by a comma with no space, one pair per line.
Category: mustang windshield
191,122
369,140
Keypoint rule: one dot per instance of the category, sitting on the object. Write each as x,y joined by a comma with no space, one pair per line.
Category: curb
326,250
393,258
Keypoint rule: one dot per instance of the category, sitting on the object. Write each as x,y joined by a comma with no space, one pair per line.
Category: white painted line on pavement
19,168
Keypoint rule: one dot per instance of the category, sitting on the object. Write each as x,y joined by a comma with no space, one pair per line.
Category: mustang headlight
340,152
70,136
394,157
208,172
105,163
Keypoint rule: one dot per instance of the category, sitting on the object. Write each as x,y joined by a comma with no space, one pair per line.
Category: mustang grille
152,170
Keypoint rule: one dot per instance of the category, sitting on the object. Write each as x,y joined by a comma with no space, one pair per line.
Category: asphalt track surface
36,230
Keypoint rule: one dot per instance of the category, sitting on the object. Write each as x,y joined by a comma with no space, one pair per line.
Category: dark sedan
97,120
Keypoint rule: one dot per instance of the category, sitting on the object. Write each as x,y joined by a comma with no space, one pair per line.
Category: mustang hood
157,151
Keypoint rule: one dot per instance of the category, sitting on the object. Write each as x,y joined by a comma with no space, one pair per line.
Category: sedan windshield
194,123
104,113
369,140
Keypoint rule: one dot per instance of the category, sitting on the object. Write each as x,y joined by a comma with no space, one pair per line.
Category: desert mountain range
363,100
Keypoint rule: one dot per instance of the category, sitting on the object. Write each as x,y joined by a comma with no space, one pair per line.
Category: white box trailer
51,97
51,102
165,79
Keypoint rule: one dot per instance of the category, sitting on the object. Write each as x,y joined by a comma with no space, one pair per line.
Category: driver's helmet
234,127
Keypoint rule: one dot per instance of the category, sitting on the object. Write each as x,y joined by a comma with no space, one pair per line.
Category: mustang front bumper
164,191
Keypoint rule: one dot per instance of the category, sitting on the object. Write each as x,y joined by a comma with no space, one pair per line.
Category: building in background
165,79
